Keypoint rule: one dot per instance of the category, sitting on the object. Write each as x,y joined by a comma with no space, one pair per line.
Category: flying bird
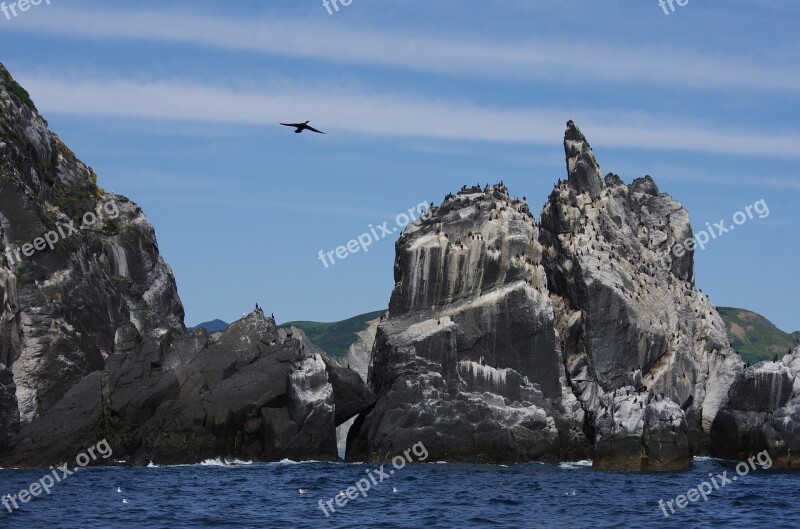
301,127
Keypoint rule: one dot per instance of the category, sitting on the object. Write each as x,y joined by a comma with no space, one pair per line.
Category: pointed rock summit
580,336
583,171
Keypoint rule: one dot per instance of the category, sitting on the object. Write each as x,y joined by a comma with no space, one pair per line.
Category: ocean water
428,495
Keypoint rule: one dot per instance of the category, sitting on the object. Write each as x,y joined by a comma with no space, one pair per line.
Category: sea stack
581,336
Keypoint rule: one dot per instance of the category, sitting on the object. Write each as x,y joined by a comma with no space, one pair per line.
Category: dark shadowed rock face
92,340
639,431
512,341
763,414
253,393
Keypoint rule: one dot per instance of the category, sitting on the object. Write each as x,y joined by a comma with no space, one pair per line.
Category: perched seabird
395,490
301,127
125,501
302,491
119,490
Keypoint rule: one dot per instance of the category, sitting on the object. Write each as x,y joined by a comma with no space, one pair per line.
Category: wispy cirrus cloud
394,115
562,62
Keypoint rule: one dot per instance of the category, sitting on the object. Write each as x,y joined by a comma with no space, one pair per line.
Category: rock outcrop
763,414
360,352
628,313
583,335
467,362
506,340
65,296
93,344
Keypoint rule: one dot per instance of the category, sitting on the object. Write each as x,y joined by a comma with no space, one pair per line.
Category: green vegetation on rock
14,87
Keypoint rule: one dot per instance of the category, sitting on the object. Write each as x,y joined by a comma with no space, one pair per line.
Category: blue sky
176,104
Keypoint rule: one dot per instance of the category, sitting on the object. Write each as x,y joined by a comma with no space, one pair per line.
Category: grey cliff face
763,414
582,336
509,340
93,344
627,310
467,360
62,305
360,352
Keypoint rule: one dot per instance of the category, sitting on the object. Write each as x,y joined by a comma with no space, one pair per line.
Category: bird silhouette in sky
301,127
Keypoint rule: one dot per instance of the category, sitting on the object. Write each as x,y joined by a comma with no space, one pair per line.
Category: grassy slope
754,336
337,337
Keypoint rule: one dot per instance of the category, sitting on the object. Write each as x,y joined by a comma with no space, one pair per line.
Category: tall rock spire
582,167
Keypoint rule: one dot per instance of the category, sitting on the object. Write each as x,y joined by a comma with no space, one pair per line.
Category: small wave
575,465
288,461
218,462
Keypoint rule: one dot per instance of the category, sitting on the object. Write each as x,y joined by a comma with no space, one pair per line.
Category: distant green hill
754,336
337,337
213,325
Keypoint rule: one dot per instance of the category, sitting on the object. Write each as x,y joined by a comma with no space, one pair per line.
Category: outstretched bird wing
312,129
295,125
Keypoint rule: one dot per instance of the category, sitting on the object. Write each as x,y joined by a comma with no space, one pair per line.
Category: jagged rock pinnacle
583,171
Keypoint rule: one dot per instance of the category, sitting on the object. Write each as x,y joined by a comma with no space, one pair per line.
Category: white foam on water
219,462
290,462
707,458
575,465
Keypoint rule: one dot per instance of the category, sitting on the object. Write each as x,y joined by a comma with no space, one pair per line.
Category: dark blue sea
428,495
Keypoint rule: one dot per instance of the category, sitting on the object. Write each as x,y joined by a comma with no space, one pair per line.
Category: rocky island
580,335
